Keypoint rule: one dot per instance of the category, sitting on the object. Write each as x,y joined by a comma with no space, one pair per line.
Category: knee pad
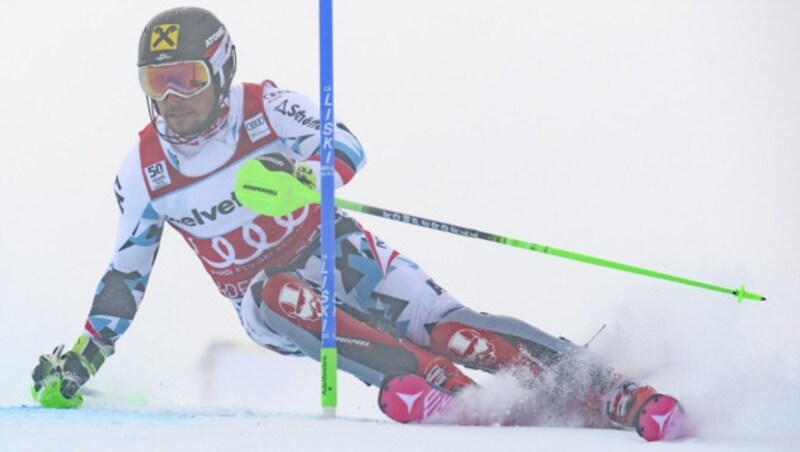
294,300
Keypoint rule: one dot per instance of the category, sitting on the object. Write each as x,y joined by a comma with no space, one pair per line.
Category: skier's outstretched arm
119,292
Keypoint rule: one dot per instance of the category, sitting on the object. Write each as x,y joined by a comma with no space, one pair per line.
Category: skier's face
186,116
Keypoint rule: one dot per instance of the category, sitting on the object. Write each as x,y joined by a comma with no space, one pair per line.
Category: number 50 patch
157,175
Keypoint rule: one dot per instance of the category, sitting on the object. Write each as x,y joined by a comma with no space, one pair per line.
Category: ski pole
277,193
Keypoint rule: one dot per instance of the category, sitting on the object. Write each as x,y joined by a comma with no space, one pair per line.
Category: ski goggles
184,79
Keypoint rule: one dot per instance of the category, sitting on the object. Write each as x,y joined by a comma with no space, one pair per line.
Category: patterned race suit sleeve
122,286
296,120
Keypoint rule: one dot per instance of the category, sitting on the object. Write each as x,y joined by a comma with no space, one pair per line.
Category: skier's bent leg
576,380
289,306
572,378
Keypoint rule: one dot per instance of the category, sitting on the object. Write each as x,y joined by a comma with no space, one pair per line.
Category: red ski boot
654,416
415,398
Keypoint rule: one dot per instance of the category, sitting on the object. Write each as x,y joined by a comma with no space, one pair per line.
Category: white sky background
663,134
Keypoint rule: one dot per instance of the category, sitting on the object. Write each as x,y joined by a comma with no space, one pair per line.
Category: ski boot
654,416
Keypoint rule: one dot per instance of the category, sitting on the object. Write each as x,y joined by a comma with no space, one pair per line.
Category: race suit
393,318
190,187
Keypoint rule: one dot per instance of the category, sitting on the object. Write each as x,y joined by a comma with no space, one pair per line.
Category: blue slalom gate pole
328,353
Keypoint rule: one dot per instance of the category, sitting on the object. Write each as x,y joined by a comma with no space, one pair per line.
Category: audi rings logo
299,302
472,347
230,248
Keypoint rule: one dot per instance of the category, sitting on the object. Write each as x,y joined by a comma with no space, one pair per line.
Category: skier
396,325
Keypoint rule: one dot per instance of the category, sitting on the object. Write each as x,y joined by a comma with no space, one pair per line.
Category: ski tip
662,419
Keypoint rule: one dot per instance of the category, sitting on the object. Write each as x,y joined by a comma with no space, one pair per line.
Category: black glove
279,162
67,368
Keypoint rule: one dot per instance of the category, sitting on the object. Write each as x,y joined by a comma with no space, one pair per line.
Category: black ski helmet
190,34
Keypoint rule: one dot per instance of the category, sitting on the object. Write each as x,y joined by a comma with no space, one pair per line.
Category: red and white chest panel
233,242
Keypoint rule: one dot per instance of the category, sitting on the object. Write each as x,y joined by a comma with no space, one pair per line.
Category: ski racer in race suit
393,318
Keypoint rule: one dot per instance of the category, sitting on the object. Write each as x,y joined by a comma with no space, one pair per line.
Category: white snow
663,134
